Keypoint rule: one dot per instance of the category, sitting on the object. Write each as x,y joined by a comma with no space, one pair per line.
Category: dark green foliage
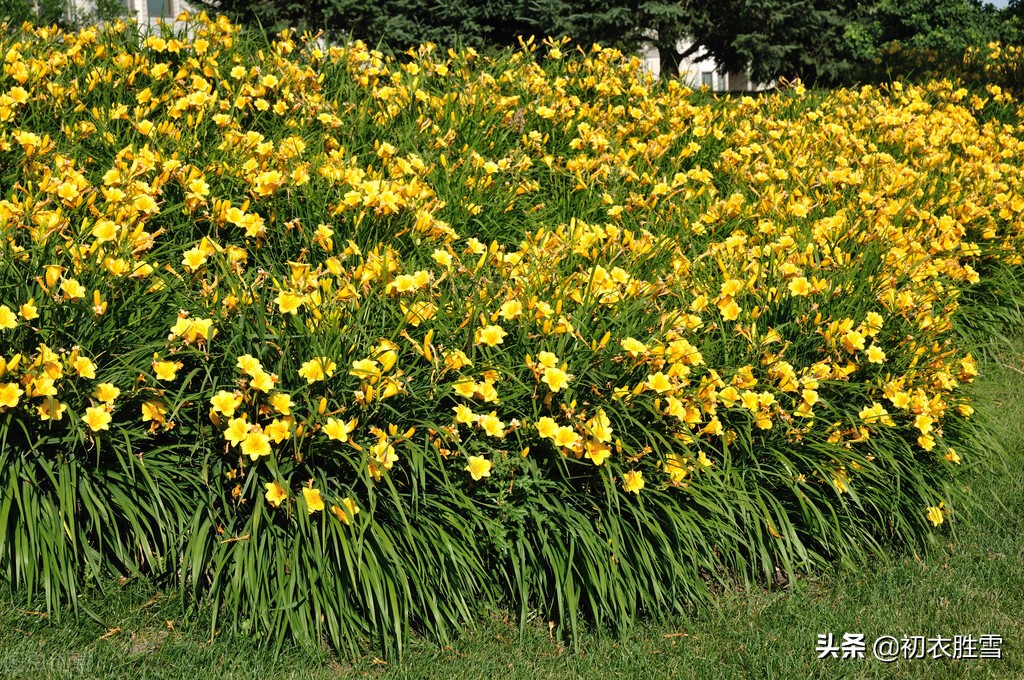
819,41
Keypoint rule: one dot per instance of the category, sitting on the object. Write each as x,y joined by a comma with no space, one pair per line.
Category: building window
159,8
707,78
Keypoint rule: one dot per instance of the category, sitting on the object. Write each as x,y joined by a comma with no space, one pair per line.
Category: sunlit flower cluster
480,261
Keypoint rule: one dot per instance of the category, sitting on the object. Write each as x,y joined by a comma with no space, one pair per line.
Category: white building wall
698,72
144,11
652,60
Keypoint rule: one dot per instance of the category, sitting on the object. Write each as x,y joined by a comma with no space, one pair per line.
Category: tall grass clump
350,344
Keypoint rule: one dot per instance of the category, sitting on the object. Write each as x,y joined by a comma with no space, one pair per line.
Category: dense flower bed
349,343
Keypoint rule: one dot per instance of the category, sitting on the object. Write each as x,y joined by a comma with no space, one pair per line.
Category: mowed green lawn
973,584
